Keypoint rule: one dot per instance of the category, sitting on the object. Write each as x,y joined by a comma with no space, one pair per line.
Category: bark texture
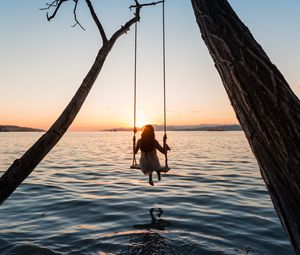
266,107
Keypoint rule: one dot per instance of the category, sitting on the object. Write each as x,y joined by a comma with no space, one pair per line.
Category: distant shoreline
11,128
185,128
216,128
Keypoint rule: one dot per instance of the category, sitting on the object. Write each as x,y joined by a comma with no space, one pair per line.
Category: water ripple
84,199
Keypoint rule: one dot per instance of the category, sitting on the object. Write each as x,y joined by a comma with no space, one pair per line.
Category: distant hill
204,127
9,128
212,128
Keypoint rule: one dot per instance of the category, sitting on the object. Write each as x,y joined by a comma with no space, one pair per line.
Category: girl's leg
158,175
150,180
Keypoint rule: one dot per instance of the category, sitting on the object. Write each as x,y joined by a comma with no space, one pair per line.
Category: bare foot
151,183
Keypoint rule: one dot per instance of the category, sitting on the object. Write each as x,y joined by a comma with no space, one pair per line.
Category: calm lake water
84,199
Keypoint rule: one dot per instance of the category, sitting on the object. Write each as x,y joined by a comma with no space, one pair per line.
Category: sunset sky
43,63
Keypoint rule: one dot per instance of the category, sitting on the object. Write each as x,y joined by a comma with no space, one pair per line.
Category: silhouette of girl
149,161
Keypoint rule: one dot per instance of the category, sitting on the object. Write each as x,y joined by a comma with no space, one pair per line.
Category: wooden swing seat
163,169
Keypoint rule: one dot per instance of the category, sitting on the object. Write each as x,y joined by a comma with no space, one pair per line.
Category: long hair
147,139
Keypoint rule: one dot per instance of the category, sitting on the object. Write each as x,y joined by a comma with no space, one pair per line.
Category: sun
142,120
141,123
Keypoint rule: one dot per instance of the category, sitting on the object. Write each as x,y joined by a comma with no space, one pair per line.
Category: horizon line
120,128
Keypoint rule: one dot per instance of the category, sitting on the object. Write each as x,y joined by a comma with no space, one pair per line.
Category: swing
166,168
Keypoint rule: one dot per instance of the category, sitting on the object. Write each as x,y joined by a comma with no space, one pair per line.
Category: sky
43,63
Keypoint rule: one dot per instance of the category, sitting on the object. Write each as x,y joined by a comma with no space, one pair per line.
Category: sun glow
142,120
141,123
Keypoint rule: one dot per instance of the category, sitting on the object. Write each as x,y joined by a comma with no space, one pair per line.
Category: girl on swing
148,145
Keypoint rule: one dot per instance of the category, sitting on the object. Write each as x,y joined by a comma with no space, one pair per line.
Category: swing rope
134,93
164,83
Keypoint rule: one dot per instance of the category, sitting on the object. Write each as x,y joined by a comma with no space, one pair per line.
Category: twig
75,16
53,4
57,4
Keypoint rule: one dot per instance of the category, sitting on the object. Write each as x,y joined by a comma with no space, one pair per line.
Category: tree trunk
267,109
22,167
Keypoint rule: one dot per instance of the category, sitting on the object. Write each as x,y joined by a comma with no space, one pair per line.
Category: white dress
149,162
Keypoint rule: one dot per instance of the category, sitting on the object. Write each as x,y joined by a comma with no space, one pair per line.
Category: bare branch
97,21
55,3
75,16
146,4
135,19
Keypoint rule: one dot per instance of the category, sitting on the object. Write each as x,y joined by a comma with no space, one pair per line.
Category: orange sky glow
38,77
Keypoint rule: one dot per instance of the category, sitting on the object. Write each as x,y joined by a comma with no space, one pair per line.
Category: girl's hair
147,139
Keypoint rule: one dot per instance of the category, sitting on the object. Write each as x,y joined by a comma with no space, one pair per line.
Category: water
84,199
